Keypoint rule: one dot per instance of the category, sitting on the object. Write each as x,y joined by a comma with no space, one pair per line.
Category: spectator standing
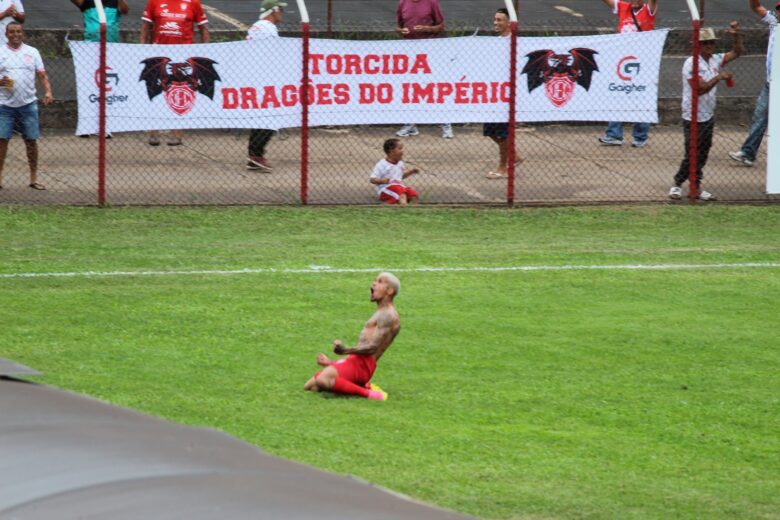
114,10
20,64
747,154
271,14
710,74
10,11
633,16
171,23
389,174
418,20
499,132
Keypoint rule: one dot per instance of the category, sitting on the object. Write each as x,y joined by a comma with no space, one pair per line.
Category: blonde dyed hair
392,281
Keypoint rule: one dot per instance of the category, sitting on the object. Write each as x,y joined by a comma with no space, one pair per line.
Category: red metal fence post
102,119
305,83
511,138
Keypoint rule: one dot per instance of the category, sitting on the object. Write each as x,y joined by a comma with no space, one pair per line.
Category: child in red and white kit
389,174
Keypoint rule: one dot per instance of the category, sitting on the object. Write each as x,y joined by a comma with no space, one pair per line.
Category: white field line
324,269
216,13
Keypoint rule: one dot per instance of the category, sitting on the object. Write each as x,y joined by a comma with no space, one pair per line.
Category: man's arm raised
756,7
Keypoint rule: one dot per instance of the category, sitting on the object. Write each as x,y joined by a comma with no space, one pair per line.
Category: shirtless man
352,375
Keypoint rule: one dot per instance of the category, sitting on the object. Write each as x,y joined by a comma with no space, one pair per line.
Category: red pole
102,119
510,188
305,83
693,155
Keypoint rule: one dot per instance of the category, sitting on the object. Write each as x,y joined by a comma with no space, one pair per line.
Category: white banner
451,80
773,129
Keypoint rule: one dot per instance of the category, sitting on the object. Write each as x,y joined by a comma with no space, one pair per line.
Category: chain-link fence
562,161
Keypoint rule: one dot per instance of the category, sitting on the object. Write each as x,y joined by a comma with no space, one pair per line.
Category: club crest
179,82
560,73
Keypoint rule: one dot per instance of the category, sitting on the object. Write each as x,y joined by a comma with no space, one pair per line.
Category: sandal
175,141
38,186
495,175
154,141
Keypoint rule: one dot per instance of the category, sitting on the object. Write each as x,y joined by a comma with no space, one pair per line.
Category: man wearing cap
710,74
20,65
271,13
747,154
633,16
168,22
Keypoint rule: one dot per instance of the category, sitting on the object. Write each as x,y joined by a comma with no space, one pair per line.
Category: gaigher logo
111,86
628,68
179,82
560,73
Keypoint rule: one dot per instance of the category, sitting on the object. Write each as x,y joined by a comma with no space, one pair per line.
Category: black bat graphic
199,74
579,65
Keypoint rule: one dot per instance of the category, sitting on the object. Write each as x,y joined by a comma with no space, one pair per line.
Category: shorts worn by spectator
173,23
271,14
633,16
389,174
352,376
10,11
419,20
20,65
499,132
758,124
710,74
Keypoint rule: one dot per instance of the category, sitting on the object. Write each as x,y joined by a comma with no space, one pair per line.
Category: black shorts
497,130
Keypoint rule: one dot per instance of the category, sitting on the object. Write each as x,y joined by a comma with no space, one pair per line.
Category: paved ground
564,164
533,13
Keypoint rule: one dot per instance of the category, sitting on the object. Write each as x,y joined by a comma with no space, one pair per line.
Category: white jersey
4,5
771,21
21,65
707,71
261,30
384,169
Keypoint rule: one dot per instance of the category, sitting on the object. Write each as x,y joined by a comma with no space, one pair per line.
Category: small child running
389,173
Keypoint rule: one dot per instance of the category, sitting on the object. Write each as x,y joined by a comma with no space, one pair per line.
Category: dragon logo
560,73
179,81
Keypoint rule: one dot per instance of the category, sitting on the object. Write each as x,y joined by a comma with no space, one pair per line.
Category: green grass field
601,393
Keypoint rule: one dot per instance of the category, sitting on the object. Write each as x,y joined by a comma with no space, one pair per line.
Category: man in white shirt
271,13
10,11
20,64
710,74
747,154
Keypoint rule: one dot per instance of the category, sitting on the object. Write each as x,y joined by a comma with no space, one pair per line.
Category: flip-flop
495,175
174,142
37,186
154,141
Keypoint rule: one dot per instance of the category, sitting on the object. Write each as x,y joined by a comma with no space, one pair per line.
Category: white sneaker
741,158
407,131
610,141
446,132
639,144
706,195
675,193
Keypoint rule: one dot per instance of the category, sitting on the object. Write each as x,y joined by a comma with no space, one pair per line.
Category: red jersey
173,19
644,17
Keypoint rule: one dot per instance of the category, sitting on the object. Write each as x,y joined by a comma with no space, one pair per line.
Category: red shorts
393,192
355,368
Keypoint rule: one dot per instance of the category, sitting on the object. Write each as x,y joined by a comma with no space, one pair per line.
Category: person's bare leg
413,200
503,154
32,159
402,199
3,152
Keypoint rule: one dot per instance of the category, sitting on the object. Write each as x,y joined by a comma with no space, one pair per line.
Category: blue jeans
615,130
757,125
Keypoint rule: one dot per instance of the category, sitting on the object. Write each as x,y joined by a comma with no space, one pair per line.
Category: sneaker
407,131
706,196
446,132
258,163
675,193
379,395
741,158
610,141
639,144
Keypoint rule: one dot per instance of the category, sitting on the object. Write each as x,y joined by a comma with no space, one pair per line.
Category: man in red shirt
171,22
633,16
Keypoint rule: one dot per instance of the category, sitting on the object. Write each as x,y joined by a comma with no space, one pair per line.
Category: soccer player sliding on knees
352,375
